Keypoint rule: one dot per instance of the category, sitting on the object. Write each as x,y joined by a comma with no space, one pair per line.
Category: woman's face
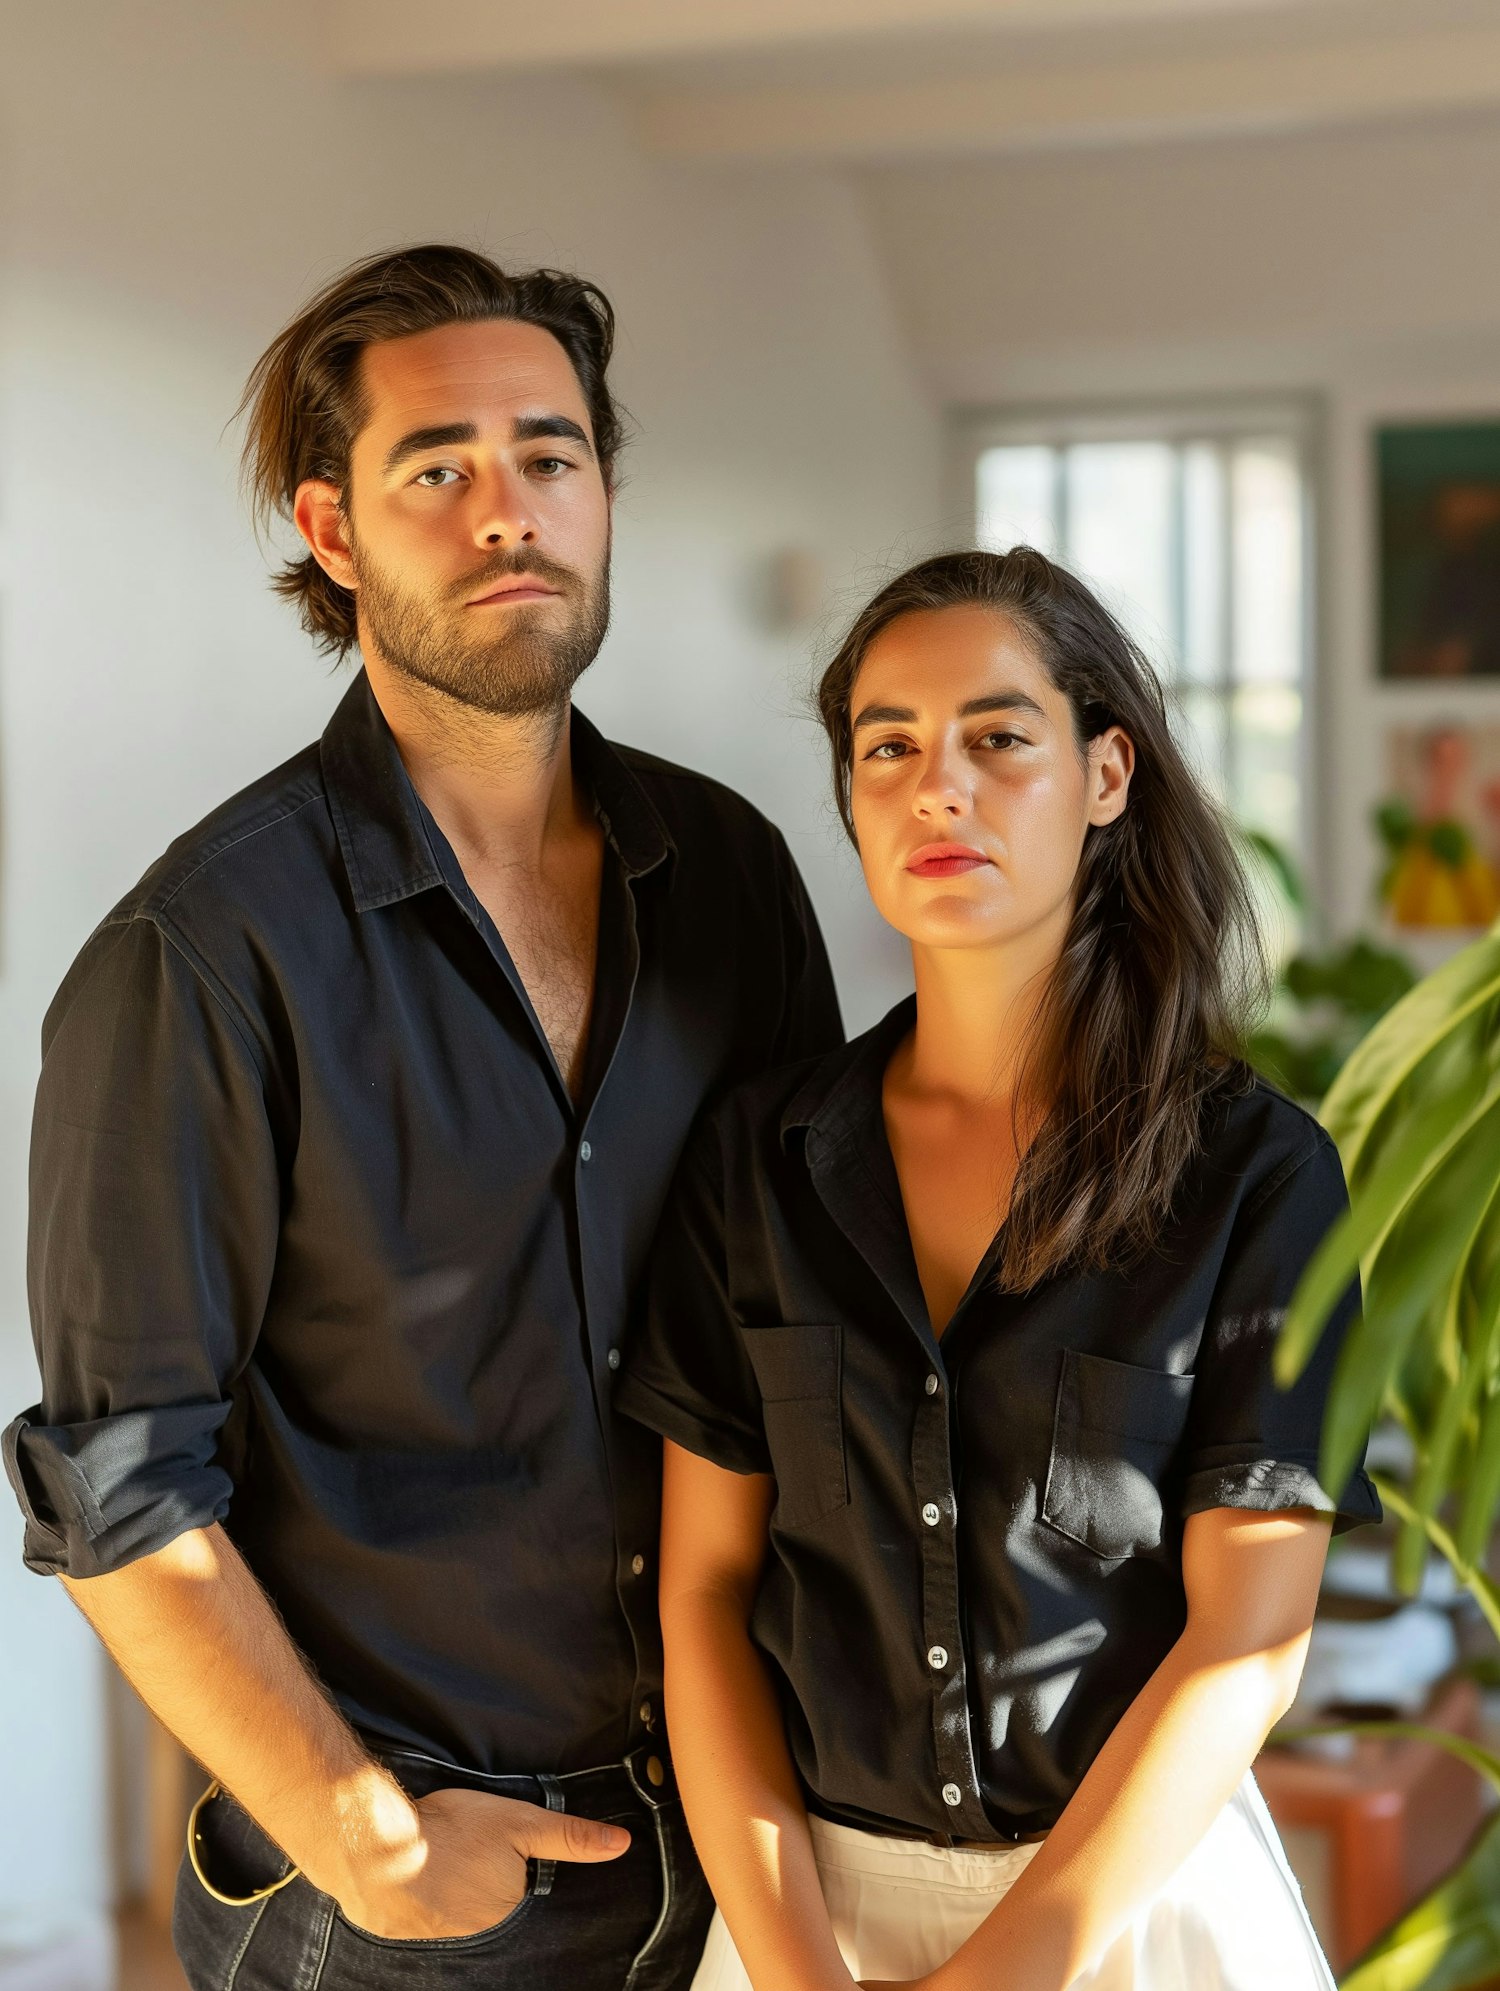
971,798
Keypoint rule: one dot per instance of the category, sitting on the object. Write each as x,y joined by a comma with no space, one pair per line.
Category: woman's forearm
742,1797
1162,1778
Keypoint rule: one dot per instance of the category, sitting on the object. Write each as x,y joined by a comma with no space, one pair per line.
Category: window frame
1299,418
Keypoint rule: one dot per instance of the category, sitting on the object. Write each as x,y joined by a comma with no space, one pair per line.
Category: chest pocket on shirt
1113,1437
798,1370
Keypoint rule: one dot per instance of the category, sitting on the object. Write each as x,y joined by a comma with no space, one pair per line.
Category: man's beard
508,662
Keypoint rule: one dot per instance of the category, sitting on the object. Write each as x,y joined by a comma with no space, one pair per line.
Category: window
1196,533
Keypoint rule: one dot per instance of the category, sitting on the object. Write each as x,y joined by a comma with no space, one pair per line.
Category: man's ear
319,517
1111,764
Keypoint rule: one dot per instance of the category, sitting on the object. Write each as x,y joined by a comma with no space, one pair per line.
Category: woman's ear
1111,764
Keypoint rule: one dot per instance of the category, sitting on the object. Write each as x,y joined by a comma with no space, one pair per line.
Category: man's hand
463,1869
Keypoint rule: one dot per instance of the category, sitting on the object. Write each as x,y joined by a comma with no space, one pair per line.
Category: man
354,1122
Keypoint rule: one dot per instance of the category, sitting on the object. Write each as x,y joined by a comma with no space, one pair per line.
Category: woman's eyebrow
1001,701
992,701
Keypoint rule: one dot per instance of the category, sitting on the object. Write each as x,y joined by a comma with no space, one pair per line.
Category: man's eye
551,465
433,478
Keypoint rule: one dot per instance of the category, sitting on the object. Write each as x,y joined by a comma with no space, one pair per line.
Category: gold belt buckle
229,1900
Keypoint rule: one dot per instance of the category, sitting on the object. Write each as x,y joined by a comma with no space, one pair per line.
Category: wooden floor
146,1959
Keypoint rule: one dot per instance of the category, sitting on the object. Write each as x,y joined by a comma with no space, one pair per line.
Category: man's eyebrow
992,701
531,428
528,428
416,440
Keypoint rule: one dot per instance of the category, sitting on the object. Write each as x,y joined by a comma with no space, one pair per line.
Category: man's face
474,528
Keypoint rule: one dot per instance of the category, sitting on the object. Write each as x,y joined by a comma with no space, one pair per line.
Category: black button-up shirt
975,1555
322,1248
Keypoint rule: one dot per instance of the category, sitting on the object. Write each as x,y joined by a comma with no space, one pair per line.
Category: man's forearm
743,1801
202,1645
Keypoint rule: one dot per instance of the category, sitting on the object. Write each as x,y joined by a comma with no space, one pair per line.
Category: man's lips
522,588
944,860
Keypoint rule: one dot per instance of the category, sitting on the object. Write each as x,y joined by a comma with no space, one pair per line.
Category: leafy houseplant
1416,1114
1324,1001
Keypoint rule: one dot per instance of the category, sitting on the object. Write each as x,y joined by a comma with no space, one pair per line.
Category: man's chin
499,694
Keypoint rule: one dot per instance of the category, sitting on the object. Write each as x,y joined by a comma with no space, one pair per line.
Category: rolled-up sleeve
154,1220
1249,1443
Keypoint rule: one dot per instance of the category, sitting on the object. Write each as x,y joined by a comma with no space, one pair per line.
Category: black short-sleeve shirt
975,1557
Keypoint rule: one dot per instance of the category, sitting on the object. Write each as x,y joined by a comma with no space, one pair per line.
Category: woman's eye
431,479
999,740
888,750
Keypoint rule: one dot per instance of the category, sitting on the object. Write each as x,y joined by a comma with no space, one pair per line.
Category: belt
645,1774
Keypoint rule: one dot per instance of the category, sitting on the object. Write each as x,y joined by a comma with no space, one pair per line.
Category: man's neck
500,787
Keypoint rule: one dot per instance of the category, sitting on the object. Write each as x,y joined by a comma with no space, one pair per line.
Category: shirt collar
841,1097
387,836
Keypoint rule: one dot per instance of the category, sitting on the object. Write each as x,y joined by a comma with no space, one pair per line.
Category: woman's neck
976,1010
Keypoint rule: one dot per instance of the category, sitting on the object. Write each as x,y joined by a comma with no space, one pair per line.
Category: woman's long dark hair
1141,1024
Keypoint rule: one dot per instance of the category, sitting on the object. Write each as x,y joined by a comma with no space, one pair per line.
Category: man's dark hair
304,398
1141,1028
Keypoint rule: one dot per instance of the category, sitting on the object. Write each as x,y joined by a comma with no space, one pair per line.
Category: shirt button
952,1794
932,1514
637,1565
585,1152
648,1714
937,1657
656,1772
932,1386
613,1358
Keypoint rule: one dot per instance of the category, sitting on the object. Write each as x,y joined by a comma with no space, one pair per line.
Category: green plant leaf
1407,1275
1279,863
1405,1036
1482,1494
1426,1138
1450,1941
1467,1352
1475,1580
1482,1760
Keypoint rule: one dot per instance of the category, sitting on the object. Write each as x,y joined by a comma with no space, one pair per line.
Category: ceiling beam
1286,84
394,37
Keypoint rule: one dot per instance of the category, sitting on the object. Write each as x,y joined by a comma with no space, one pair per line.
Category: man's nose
502,513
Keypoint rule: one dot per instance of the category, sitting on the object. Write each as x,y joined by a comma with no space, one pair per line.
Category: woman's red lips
944,860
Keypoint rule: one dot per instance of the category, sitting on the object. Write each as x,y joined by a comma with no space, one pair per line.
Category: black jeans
632,1924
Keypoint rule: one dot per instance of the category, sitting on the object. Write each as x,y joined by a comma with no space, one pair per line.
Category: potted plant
1415,1111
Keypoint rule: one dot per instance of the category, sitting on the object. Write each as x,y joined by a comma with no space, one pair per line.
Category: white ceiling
887,80
392,37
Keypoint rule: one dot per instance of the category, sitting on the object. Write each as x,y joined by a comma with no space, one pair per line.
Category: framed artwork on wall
1439,525
1440,825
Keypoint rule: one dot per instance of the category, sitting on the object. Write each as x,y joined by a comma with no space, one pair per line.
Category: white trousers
1230,1919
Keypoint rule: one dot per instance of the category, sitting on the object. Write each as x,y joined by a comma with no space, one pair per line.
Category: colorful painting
1439,550
1441,826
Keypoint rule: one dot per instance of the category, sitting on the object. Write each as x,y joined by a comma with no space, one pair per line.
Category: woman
990,1551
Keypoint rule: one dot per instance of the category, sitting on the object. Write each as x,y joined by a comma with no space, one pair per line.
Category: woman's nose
941,791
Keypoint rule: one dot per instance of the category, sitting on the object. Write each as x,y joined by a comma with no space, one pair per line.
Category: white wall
169,195
1358,267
